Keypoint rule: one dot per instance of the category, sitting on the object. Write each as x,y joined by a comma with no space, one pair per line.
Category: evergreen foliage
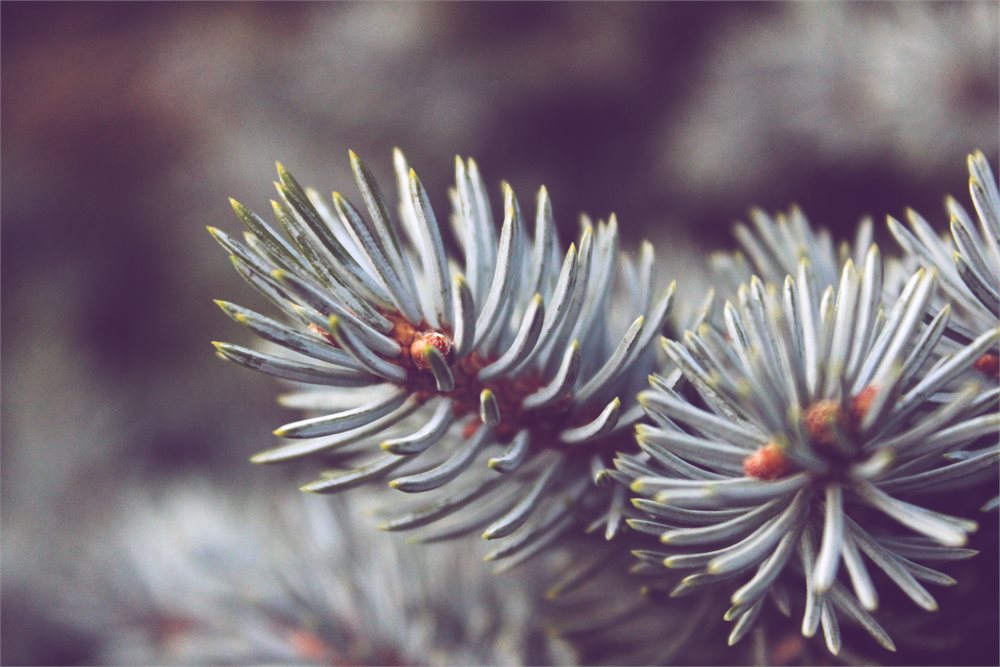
809,440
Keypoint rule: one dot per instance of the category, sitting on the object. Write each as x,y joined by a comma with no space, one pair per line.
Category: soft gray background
125,126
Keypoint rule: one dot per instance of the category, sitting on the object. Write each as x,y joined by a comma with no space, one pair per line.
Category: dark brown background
125,126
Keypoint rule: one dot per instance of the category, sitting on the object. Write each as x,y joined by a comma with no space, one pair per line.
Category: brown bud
988,365
767,463
823,421
422,342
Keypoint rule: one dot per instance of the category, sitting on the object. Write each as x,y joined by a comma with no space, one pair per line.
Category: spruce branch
493,390
218,573
809,435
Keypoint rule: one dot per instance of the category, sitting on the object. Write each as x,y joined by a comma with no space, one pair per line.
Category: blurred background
126,126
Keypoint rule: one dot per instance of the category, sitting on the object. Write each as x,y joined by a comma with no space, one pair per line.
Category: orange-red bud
823,419
309,646
767,463
988,365
471,428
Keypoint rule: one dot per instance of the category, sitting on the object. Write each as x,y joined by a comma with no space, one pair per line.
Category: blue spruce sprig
785,438
498,390
206,573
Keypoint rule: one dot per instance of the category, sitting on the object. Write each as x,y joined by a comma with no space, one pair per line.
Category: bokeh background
125,127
